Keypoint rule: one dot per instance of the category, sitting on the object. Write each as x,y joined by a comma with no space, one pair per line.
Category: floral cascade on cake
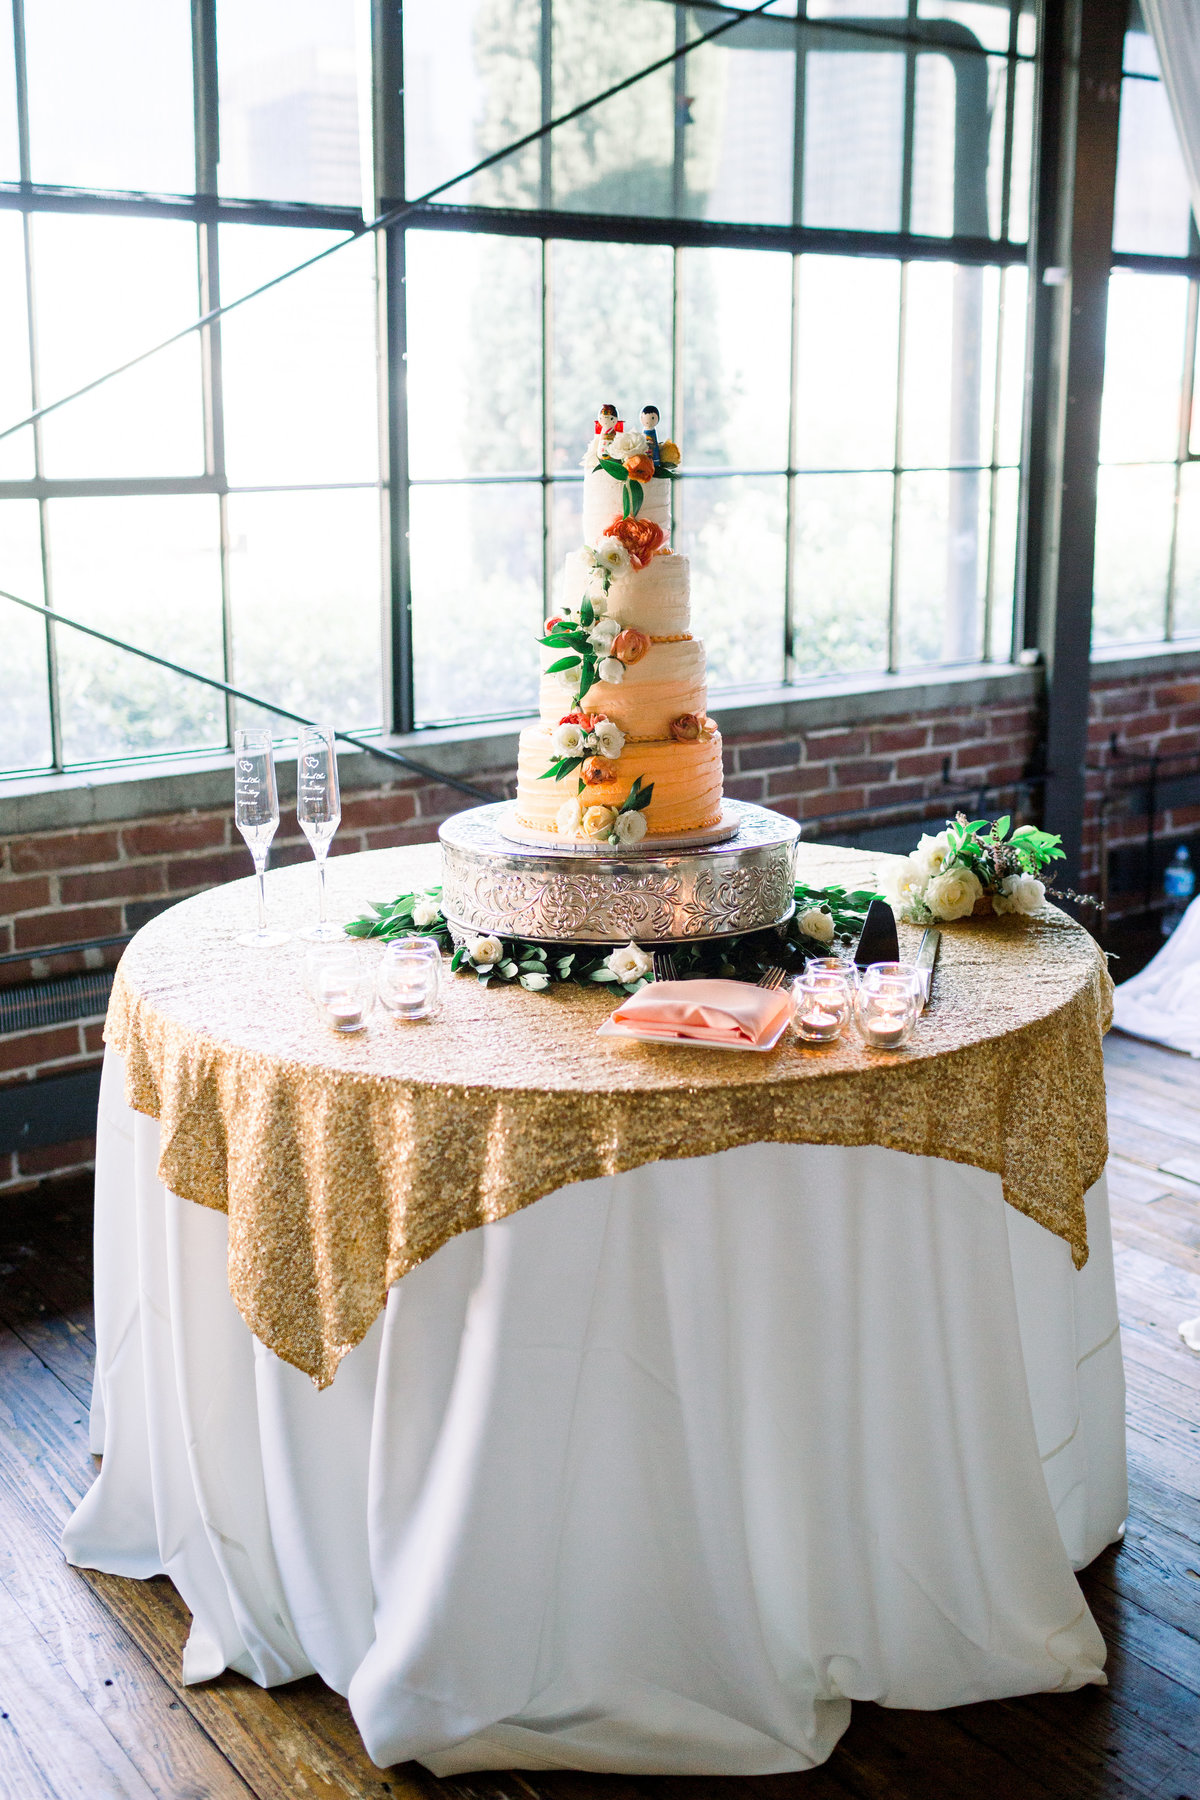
624,746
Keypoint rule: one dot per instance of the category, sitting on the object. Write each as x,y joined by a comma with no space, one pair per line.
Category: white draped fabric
655,1476
1175,27
1163,1002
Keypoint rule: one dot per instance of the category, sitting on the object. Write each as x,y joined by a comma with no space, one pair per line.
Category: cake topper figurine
608,424
650,428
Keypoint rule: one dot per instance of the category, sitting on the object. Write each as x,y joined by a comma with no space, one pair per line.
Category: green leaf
636,492
587,679
639,801
612,467
587,612
458,959
602,975
507,968
1000,828
626,499
564,662
560,769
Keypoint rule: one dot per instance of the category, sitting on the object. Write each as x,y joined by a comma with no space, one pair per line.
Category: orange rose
596,771
639,468
686,728
668,452
630,645
641,537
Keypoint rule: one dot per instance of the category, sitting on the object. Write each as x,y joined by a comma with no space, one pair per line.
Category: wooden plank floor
91,1707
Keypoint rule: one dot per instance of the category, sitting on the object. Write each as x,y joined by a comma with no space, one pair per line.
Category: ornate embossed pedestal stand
498,884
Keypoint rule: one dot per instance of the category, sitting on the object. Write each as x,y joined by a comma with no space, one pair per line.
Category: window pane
986,22
299,362
847,334
940,569
735,379
472,85
933,176
149,571
618,157
1143,367
476,556
612,320
1152,202
305,590
24,690
474,354
1133,546
1013,293
842,573
853,138
1004,561
10,162
110,94
106,289
739,123
951,317
733,531
1187,554
1022,156
16,400
289,101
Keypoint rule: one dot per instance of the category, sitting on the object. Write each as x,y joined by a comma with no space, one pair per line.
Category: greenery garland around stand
826,920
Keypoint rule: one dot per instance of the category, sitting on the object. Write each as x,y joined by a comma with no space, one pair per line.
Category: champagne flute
319,812
256,811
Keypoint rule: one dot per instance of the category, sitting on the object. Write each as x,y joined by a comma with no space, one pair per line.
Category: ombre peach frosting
624,748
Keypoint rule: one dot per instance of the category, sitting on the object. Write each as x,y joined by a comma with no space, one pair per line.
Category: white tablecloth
654,1476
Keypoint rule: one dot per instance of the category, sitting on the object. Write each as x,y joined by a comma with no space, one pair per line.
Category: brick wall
60,887
1131,719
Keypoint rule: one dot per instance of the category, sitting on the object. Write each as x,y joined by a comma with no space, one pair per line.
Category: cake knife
926,958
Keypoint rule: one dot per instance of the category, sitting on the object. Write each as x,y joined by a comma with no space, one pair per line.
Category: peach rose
668,452
708,729
596,771
686,728
641,537
630,645
639,468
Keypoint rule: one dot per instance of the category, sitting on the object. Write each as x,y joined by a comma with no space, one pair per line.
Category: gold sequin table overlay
343,1162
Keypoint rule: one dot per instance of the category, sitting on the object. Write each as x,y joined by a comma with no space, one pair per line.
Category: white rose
817,923
611,554
535,981
630,827
597,822
568,740
426,912
591,455
629,963
567,678
629,443
611,670
903,883
602,634
610,739
953,893
1020,894
485,951
930,853
567,818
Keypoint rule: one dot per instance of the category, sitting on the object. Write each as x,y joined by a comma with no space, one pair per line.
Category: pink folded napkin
708,1012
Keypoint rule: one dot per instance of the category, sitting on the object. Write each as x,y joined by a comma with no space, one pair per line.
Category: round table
681,1398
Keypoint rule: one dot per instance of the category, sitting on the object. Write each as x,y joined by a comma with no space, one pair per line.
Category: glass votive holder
822,1006
885,1012
409,980
895,975
834,965
342,984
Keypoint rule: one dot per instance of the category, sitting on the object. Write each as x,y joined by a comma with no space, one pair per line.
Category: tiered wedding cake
624,746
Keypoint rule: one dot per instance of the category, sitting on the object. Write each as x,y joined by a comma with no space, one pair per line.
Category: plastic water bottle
1179,884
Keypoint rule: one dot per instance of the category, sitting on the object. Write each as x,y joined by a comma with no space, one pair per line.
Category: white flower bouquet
972,867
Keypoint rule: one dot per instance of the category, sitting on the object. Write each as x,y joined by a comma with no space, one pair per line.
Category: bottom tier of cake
686,778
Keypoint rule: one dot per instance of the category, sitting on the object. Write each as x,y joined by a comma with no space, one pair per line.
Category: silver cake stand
494,884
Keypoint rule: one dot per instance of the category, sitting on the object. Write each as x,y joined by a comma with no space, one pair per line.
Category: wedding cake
624,747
